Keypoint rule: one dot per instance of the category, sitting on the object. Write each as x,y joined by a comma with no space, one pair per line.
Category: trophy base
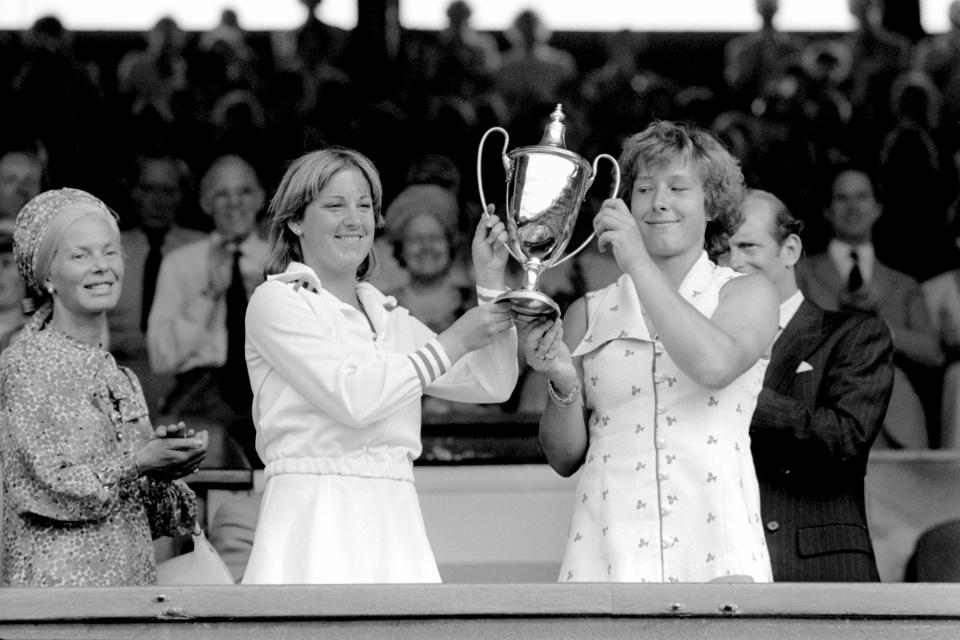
532,304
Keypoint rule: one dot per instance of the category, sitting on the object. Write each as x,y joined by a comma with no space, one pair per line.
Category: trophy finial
553,133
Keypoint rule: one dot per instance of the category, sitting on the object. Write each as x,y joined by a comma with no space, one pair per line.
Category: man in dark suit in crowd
824,396
849,276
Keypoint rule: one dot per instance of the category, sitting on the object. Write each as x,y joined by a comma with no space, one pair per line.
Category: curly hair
663,141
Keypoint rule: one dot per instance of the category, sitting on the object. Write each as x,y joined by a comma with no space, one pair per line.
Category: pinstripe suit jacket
822,405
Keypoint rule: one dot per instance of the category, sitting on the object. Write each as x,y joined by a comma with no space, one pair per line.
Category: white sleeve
303,348
179,320
485,375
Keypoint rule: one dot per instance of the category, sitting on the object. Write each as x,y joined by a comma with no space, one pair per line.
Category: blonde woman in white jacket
338,371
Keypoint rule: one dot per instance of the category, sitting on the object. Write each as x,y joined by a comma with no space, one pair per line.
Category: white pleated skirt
339,529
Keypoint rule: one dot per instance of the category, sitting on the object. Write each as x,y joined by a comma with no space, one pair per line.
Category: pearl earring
50,289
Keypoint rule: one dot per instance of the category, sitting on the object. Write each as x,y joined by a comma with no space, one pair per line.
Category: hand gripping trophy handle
507,168
546,184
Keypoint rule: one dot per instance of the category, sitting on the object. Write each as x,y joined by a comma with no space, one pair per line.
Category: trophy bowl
546,184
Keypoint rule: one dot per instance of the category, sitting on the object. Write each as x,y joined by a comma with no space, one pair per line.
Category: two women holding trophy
652,381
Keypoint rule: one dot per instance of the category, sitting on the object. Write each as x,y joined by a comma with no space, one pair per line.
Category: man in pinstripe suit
825,393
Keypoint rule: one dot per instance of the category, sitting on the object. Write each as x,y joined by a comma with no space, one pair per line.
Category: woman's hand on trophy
544,348
476,328
489,248
617,228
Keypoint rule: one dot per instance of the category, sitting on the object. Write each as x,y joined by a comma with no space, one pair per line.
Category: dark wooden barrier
608,611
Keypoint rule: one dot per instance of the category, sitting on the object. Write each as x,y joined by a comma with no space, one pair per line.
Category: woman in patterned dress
653,380
88,483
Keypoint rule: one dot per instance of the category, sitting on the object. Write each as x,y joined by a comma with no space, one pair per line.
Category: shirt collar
839,252
789,307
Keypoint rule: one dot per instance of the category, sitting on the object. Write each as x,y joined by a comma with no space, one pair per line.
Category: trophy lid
553,133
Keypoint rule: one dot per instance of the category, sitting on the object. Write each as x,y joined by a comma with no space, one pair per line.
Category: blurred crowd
184,118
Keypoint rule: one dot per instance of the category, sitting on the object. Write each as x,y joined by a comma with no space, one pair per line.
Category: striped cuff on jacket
430,362
488,295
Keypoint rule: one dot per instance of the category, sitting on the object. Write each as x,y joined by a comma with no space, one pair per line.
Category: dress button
664,511
773,525
662,476
660,444
659,379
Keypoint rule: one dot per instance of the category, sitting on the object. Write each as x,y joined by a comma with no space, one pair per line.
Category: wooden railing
607,611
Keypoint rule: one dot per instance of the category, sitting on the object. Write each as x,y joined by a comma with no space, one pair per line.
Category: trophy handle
613,193
506,168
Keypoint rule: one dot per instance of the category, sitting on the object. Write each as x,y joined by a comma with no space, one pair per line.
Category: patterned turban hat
39,226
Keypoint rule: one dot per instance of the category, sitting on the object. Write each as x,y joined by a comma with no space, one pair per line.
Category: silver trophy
546,184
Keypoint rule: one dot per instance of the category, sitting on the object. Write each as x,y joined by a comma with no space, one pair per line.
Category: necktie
150,270
235,386
855,281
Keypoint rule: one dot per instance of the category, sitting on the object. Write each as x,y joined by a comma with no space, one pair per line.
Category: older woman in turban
88,481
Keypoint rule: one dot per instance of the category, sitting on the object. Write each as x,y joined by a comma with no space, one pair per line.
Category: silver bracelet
565,400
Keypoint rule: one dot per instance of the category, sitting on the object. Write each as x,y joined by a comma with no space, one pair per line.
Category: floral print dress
76,511
668,491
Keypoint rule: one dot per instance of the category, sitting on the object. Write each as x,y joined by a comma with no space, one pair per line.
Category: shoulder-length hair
303,181
662,141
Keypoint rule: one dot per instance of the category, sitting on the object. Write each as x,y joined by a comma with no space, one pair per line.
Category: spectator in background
912,234
754,59
195,328
824,396
877,57
942,295
422,224
848,276
12,294
156,77
58,97
938,56
225,60
314,46
533,74
614,95
22,176
162,187
466,58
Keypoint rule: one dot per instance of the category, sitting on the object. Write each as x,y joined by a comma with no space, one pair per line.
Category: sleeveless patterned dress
668,491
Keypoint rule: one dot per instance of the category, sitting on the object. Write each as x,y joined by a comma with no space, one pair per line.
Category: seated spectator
22,176
938,56
157,75
877,57
942,294
12,294
315,46
753,59
466,58
849,276
421,223
533,73
195,328
162,186
912,231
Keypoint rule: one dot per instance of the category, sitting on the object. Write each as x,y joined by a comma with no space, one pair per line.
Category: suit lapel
798,339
